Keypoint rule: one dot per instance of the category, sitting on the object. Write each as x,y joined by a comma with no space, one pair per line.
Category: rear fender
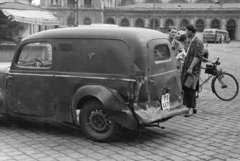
112,101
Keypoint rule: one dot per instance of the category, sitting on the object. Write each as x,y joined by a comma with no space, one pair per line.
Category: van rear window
161,52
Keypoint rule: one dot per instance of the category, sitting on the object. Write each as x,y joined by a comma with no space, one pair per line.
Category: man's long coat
195,50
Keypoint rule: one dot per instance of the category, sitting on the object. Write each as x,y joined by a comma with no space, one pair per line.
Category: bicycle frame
217,74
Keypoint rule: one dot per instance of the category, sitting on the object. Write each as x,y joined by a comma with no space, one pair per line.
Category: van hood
4,66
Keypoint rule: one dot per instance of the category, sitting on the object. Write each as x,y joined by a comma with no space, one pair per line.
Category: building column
238,30
117,20
223,25
161,22
132,21
62,3
146,22
192,21
178,21
208,25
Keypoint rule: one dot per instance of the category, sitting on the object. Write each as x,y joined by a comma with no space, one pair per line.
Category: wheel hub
99,121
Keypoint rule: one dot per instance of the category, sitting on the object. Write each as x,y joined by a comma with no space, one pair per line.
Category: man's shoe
194,111
190,113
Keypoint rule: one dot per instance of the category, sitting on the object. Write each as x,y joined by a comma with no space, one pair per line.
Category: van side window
161,52
36,55
65,46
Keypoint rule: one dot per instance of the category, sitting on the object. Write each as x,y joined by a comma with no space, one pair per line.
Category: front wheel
225,86
96,123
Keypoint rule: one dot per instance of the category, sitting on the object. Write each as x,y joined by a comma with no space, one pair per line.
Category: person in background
172,37
191,69
183,40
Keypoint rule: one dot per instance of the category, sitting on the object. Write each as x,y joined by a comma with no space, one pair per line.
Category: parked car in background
115,76
216,36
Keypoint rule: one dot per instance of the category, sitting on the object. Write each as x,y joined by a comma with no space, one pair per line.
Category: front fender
3,102
212,84
113,103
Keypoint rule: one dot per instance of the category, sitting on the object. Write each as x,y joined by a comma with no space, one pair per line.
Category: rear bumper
148,115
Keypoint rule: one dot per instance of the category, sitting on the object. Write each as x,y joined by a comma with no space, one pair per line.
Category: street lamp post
221,8
181,18
154,15
75,13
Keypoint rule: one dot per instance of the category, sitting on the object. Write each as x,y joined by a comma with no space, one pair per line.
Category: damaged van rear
115,76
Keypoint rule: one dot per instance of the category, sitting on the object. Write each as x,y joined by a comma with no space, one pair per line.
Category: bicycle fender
212,83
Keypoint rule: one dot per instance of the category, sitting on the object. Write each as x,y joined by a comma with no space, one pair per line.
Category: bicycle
221,81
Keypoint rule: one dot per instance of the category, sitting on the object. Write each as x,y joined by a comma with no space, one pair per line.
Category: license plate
166,101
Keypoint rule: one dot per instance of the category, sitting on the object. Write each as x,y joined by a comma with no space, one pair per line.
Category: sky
36,2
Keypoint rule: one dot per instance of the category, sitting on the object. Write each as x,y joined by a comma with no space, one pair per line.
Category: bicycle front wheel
225,87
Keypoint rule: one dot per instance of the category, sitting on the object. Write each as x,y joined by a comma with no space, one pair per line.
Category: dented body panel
54,73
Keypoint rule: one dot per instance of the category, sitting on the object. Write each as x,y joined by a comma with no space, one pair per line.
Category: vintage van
225,36
115,76
216,36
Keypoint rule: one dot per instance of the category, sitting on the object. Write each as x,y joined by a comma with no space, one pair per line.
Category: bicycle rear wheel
225,87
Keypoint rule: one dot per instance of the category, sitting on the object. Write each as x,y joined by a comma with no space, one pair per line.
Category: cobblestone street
211,135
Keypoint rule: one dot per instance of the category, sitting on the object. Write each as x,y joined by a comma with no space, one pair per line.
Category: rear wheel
96,123
225,87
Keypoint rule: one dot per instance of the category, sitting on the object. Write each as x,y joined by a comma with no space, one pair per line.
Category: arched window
215,24
152,24
231,28
139,23
87,21
200,25
125,22
183,24
70,21
88,2
168,23
70,2
110,21
231,24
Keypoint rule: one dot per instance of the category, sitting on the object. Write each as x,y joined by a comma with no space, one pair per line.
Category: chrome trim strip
92,77
163,73
71,76
44,75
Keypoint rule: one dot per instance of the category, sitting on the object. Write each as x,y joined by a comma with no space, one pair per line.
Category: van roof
210,29
123,33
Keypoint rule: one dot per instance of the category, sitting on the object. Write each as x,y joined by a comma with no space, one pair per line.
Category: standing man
172,32
191,69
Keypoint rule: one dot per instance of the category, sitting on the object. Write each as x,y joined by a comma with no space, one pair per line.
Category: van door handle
10,77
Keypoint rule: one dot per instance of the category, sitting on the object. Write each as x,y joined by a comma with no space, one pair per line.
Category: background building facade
155,14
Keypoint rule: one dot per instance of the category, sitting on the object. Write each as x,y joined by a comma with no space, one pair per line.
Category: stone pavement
211,135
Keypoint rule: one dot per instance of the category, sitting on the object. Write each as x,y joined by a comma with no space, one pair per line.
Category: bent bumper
147,115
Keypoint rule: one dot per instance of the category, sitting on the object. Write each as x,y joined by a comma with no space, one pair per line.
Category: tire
96,123
228,84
